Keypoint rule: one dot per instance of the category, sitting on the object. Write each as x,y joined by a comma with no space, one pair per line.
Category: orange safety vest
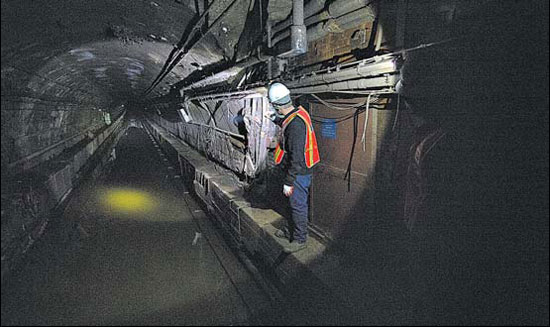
311,153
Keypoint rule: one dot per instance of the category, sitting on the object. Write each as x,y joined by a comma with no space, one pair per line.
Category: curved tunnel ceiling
104,52
66,62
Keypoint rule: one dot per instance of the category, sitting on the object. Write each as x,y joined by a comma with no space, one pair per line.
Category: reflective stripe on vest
311,152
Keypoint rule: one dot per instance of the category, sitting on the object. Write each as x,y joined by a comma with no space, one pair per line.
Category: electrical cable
339,107
186,49
397,140
180,50
347,176
396,112
344,107
367,104
363,139
335,119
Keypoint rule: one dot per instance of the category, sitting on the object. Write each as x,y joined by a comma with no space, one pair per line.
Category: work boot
295,247
283,233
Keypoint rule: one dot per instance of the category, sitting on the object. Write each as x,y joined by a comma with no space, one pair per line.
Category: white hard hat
278,94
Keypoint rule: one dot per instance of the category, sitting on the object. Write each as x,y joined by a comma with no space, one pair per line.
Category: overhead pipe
311,8
373,73
298,36
384,83
335,9
299,46
320,26
349,20
225,75
342,7
216,96
365,68
269,45
376,74
324,15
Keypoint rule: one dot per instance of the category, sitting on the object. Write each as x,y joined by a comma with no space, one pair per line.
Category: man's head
279,97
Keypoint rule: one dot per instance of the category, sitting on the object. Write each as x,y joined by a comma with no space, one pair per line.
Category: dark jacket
294,145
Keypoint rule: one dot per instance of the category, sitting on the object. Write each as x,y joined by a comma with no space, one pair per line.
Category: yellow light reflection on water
126,200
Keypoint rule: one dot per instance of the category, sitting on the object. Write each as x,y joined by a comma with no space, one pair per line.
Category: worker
298,149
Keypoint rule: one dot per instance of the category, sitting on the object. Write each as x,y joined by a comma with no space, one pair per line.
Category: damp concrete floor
127,251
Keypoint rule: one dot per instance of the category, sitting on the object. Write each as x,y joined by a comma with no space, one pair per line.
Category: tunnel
142,180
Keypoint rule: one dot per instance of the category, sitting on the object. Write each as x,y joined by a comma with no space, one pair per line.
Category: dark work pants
299,206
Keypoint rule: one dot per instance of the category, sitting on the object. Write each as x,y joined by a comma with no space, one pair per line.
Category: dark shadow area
455,230
476,247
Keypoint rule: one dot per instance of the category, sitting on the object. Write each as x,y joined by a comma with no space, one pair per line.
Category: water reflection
127,200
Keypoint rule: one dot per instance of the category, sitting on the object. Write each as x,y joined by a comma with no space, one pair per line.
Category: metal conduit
378,83
375,73
215,96
379,66
378,72
225,74
269,45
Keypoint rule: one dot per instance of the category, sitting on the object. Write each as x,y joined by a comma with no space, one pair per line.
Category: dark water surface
127,252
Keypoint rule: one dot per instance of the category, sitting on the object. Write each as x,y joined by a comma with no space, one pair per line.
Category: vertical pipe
298,28
298,12
269,61
298,36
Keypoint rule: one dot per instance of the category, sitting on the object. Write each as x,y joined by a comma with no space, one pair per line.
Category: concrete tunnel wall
69,69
